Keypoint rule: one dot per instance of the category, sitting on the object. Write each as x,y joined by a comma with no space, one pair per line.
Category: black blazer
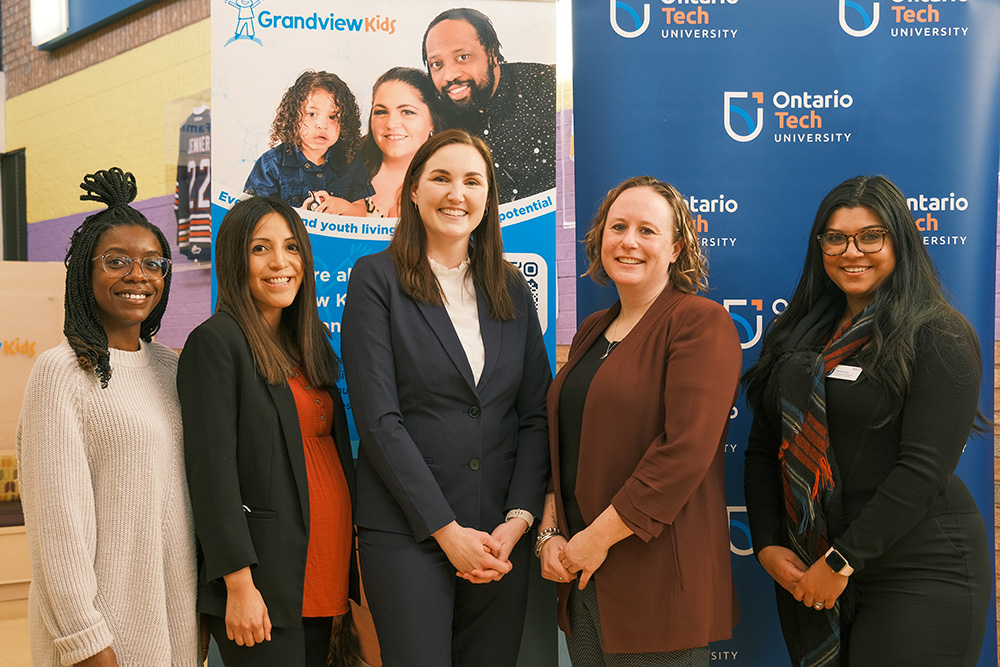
246,471
435,445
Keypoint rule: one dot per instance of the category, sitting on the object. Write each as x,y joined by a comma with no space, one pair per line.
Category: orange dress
330,529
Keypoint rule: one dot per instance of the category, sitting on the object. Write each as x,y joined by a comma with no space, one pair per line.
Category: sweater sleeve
703,361
937,417
58,501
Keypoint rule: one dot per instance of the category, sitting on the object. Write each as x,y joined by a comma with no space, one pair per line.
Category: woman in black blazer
447,374
272,508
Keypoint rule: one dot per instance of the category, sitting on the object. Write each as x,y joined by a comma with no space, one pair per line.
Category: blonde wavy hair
689,274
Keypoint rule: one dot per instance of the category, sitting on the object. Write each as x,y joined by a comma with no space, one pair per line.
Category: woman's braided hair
82,325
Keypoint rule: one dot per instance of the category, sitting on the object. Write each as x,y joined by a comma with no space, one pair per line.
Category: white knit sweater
107,512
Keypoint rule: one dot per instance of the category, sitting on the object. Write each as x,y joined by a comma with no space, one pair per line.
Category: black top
571,402
890,476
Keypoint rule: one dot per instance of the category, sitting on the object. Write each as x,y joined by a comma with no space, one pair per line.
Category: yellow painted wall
122,112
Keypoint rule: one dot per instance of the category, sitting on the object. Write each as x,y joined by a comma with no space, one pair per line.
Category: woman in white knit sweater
100,458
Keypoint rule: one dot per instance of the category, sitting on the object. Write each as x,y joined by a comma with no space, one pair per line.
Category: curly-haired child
315,138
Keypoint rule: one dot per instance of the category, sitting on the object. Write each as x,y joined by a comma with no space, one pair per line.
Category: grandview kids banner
755,109
292,94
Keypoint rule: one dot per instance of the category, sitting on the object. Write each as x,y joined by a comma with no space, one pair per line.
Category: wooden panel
31,300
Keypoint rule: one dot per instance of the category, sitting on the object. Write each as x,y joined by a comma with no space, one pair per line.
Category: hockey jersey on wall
192,198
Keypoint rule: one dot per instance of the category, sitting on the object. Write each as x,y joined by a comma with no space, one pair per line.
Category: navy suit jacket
247,472
435,445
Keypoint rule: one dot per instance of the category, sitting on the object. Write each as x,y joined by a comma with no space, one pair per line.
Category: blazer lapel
490,330
440,324
289,417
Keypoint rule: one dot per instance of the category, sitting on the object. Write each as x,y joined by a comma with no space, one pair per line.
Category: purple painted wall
190,287
996,290
566,245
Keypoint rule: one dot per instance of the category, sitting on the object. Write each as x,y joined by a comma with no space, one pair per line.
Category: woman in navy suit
447,373
268,451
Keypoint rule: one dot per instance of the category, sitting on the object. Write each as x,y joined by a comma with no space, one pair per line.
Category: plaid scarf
808,470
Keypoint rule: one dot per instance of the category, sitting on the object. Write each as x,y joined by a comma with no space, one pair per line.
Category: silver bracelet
543,537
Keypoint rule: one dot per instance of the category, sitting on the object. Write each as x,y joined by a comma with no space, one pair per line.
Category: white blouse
460,302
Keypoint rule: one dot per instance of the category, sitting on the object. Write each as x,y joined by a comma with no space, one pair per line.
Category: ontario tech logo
750,333
244,21
640,26
753,127
869,22
740,530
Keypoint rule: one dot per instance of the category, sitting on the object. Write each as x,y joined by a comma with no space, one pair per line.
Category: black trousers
426,616
924,602
308,645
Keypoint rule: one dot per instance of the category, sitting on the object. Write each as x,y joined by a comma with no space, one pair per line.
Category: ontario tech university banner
755,110
262,52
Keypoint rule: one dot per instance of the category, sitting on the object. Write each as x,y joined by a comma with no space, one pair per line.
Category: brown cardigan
653,444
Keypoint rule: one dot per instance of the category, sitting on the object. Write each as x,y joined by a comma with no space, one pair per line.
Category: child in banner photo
315,136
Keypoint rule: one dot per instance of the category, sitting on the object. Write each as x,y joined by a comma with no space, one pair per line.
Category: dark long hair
300,323
909,301
689,274
422,84
288,116
81,324
408,248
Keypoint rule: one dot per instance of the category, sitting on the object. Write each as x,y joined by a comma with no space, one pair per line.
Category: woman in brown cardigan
637,424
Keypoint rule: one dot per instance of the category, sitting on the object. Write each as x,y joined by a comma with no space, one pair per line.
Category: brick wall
28,68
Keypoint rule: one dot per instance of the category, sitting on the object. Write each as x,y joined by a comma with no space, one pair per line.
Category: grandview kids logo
908,18
744,120
682,19
248,19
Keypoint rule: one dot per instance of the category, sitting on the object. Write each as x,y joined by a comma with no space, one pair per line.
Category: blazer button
474,411
474,464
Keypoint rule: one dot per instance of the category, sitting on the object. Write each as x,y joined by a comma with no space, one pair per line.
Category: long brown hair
300,324
408,248
689,273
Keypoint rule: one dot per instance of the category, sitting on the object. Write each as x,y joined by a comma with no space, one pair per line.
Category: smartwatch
838,563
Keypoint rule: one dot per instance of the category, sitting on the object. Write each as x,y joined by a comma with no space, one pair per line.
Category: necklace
612,344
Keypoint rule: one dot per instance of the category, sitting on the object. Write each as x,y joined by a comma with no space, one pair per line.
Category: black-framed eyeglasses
153,267
866,241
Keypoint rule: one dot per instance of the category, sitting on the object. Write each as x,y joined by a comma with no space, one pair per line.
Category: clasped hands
480,557
812,586
563,560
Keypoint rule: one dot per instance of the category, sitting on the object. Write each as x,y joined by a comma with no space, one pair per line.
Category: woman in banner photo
447,373
100,457
404,114
269,459
637,432
864,397
314,161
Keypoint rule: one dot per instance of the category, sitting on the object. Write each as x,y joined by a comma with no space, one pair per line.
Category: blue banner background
924,110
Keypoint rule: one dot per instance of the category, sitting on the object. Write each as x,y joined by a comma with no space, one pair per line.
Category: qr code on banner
536,273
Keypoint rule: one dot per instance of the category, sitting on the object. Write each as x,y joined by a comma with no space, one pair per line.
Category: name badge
843,372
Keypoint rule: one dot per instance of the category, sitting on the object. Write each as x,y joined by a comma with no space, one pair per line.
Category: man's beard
479,94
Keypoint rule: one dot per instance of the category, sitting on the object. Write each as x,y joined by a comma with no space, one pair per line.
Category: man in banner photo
511,106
